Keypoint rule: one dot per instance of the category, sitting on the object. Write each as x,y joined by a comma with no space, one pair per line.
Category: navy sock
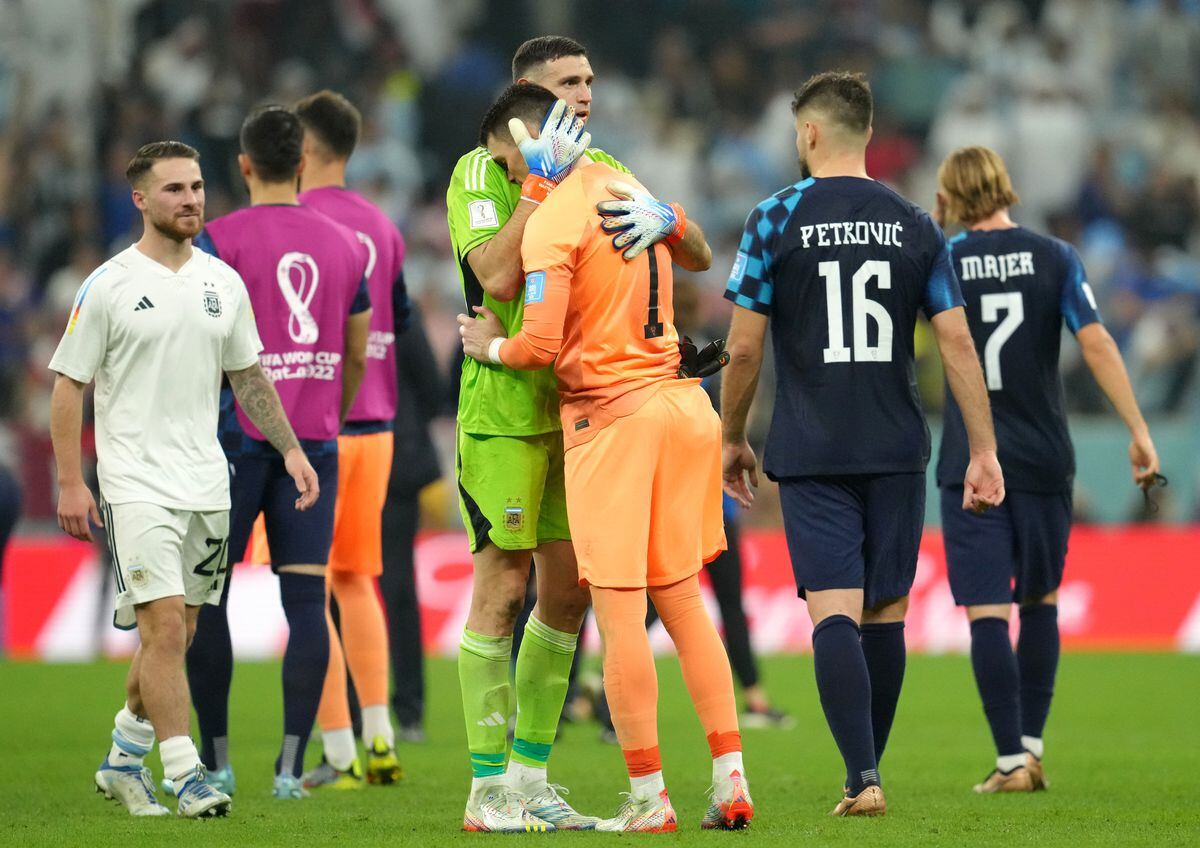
304,664
999,684
210,675
845,689
1037,657
883,649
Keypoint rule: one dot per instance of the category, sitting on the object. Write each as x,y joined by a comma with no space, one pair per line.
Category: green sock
487,699
543,672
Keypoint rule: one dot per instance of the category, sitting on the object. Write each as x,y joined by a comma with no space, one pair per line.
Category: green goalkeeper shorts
511,490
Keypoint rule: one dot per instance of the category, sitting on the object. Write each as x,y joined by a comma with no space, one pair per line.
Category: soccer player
642,466
510,471
305,274
1020,289
156,326
331,130
839,265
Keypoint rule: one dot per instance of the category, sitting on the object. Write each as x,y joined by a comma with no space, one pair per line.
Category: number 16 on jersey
861,307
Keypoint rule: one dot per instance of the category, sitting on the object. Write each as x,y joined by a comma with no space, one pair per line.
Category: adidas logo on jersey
144,303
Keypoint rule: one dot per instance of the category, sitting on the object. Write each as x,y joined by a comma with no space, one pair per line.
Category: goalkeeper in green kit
510,450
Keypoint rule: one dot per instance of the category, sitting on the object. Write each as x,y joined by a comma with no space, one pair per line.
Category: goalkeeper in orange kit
643,453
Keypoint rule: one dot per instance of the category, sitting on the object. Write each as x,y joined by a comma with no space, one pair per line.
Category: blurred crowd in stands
1095,105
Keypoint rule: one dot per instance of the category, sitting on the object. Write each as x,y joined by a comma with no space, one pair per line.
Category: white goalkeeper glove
639,220
553,154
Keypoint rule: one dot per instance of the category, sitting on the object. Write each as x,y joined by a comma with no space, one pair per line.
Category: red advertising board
1126,588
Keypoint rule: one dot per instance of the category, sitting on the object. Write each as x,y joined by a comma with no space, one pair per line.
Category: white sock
133,738
340,749
478,784
377,722
647,786
526,779
179,758
1033,745
1009,762
725,765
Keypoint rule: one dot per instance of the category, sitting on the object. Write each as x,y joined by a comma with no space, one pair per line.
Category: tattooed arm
260,402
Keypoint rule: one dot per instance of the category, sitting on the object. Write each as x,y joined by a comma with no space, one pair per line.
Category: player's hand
553,154
1144,459
75,506
302,472
737,464
983,487
639,220
478,333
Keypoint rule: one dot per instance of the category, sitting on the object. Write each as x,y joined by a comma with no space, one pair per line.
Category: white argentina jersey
157,341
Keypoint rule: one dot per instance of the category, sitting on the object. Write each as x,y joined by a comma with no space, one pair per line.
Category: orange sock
333,713
364,634
630,680
703,660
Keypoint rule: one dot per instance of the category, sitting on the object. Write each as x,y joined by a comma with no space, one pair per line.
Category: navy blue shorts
1010,553
260,483
854,531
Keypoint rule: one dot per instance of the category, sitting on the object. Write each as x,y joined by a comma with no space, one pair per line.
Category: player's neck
317,174
848,164
998,220
273,193
164,250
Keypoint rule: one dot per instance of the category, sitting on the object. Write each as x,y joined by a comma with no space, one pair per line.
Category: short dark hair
524,100
272,137
843,96
142,161
333,119
544,48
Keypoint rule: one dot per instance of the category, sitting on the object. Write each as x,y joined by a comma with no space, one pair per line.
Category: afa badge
212,304
514,519
138,577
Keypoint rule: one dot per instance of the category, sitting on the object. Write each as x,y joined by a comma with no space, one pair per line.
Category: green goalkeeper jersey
494,400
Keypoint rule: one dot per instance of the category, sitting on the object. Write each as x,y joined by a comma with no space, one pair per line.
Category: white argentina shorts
159,552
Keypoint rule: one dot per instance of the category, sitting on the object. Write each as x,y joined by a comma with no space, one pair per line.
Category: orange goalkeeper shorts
644,495
364,466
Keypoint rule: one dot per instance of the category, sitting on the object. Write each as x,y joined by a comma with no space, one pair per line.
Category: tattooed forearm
260,402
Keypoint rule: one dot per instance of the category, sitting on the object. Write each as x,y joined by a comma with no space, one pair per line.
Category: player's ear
870,132
139,199
303,160
244,166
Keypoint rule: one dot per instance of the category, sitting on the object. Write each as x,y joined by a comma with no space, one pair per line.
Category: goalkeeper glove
639,220
553,154
703,363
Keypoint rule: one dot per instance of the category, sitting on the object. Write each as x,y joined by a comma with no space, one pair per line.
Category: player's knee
1034,600
498,606
164,630
564,607
886,611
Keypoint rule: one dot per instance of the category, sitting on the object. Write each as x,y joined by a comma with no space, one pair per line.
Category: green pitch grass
1123,752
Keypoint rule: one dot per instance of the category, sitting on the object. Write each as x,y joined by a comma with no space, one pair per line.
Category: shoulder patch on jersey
483,214
739,266
535,287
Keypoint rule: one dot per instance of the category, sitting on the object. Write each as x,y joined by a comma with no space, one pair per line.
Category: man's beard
804,172
176,230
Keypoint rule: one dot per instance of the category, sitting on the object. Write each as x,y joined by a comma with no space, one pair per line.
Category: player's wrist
536,188
493,350
677,234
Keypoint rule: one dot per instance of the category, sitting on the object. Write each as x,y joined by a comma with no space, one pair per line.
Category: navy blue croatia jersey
1020,289
841,265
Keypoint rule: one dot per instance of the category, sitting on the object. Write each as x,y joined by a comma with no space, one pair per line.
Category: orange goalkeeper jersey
608,321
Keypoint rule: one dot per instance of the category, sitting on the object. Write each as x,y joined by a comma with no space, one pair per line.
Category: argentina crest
212,303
